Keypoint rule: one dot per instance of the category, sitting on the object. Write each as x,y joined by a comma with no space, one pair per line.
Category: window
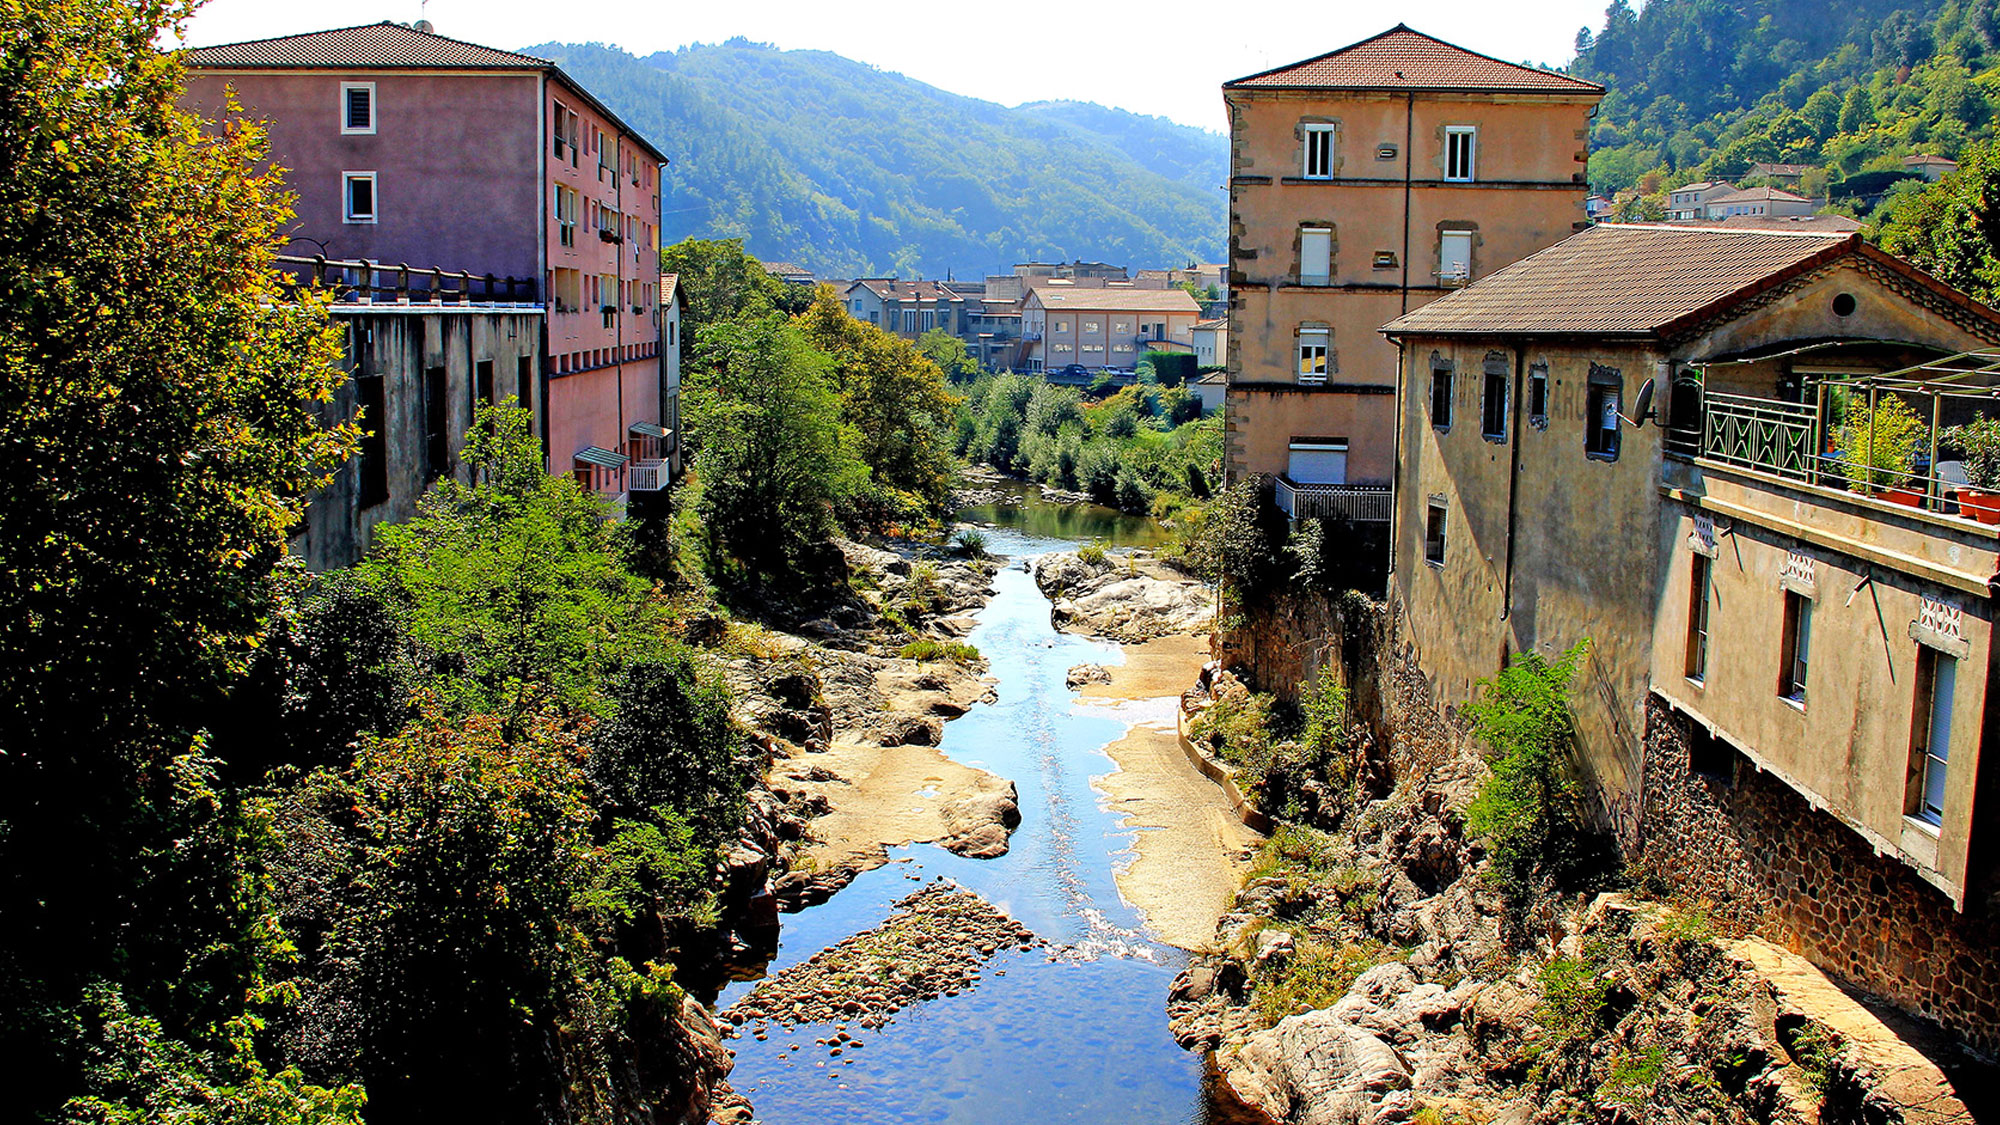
567,289
524,382
1440,393
437,432
566,215
357,192
1493,402
1454,257
1797,647
1538,396
1315,255
1600,420
1697,639
1460,145
1434,534
482,382
1122,328
1060,326
1092,327
357,107
909,320
374,441
559,133
930,319
1937,681
1385,259
1313,352
1319,152
875,318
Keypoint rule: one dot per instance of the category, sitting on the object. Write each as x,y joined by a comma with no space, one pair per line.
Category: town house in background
407,147
1365,183
906,308
1110,327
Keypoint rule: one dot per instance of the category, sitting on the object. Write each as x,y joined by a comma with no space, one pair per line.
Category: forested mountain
814,158
1705,88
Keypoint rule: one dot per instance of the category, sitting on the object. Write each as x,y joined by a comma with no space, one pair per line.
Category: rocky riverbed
1125,596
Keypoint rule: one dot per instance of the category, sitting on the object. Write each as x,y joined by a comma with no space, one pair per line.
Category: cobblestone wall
1716,828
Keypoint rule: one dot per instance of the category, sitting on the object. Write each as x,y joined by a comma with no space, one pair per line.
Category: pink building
406,147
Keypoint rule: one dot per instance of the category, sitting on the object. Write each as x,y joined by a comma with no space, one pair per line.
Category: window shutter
1455,256
1315,255
359,110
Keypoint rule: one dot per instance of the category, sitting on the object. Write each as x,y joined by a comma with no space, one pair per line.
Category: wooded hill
851,171
1703,89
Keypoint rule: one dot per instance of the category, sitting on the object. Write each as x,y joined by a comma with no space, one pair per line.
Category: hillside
1702,89
817,159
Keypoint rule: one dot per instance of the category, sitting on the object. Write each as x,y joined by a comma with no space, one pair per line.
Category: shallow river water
1074,1033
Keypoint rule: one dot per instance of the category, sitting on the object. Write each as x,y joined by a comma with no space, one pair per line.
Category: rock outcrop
1123,596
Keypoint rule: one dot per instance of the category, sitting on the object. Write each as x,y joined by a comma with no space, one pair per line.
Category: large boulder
1320,1069
1117,598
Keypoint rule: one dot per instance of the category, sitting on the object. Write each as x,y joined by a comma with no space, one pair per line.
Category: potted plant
1881,463
1979,497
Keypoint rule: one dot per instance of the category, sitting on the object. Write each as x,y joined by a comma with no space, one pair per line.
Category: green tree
722,282
1530,809
513,589
158,396
776,463
1857,112
895,401
1952,227
950,354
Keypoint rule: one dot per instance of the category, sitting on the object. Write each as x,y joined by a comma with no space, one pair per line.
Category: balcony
1348,503
650,475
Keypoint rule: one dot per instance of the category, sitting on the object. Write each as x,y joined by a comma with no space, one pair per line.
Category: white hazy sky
1166,58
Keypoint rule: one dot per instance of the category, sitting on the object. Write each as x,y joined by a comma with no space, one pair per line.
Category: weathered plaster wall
1261,424
400,348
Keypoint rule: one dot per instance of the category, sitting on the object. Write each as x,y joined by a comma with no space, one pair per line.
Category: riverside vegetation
432,837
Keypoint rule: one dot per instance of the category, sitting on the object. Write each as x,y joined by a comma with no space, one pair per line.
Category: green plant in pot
1979,442
1883,463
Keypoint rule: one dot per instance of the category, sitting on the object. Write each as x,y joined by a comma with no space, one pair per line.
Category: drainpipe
1513,478
618,318
1409,134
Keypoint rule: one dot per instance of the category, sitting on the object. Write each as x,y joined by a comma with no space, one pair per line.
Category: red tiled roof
370,45
1402,59
1115,300
889,289
670,287
1621,280
1766,194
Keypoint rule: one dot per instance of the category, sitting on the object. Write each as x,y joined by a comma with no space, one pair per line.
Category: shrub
1092,553
1979,442
971,542
1633,1079
1131,493
1882,461
670,748
1574,991
1314,976
1528,809
929,650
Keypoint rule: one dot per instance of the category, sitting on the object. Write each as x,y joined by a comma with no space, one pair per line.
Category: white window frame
347,198
1471,170
374,110
1313,343
1324,274
1308,134
1446,275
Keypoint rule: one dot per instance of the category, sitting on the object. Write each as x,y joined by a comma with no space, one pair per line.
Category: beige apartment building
1100,328
1365,183
1791,685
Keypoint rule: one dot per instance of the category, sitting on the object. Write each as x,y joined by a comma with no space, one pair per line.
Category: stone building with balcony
1790,691
1364,183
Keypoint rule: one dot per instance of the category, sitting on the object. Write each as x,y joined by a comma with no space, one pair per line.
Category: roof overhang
601,458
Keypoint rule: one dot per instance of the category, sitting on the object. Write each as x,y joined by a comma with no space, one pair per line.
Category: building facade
1365,183
1758,203
1789,659
906,308
372,124
1690,201
1108,327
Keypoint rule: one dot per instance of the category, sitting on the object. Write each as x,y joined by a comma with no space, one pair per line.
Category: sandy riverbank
1191,849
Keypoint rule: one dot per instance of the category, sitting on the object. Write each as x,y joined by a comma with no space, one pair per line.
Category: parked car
1074,369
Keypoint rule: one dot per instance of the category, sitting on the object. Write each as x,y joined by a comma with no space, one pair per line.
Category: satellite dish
1642,405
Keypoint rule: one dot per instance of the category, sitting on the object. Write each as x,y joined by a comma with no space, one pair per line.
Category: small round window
1843,305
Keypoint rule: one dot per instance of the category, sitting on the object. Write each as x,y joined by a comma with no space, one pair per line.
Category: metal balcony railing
650,475
360,281
1350,503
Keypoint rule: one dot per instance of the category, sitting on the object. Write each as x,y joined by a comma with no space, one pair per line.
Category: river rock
1088,674
1116,598
1319,1069
978,825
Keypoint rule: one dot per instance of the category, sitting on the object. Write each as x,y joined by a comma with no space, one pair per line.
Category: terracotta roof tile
1755,194
370,45
1402,59
1117,300
1618,280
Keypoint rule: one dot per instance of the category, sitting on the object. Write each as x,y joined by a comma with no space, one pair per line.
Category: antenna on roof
423,24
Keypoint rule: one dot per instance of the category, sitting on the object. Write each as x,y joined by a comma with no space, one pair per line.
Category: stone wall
1286,637
1716,828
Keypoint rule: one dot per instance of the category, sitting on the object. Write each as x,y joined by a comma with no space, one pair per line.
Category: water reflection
1077,1033
1062,526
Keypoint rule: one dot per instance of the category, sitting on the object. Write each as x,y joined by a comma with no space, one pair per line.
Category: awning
648,429
602,458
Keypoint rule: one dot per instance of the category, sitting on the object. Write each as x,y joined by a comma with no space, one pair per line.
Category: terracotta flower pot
1979,504
1910,496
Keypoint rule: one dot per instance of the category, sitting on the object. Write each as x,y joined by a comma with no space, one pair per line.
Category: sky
1166,58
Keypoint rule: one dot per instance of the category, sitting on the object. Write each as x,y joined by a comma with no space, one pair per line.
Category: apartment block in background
409,148
1108,327
1364,183
906,308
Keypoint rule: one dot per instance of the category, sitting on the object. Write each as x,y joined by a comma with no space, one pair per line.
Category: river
1074,1033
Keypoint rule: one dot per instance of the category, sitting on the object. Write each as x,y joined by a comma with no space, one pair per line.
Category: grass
930,650
1092,553
1315,975
1633,1079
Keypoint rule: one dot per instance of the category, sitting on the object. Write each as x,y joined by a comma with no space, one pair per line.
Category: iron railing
1349,503
359,281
